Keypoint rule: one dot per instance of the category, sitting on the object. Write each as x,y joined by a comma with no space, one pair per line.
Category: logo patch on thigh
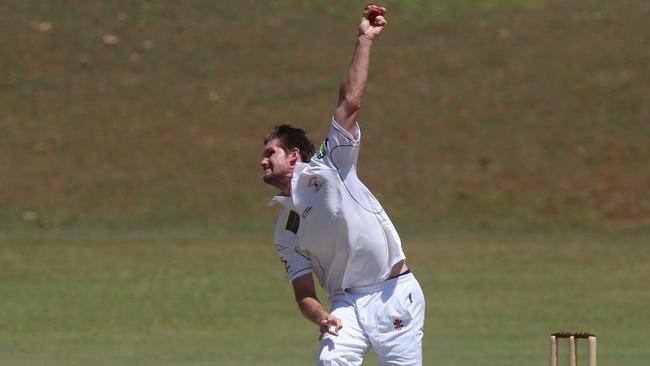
400,324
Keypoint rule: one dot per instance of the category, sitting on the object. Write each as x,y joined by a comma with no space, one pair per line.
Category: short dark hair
291,137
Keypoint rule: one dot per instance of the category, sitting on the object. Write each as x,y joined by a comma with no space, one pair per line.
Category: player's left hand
330,325
372,29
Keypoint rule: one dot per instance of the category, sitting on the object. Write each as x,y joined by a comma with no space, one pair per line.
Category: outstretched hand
371,23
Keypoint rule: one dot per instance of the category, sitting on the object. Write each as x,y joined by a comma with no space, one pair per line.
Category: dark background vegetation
137,115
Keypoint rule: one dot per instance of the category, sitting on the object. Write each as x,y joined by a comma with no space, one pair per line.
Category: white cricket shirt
332,225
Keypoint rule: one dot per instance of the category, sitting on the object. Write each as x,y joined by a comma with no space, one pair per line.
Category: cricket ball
374,11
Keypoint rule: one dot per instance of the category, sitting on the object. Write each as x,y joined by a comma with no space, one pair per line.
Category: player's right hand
330,325
372,29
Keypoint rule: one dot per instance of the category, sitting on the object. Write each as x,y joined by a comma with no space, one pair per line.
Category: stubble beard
276,180
268,179
272,179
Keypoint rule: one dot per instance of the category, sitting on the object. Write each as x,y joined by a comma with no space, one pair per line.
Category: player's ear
294,156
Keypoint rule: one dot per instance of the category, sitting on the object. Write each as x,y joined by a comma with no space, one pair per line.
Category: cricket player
331,226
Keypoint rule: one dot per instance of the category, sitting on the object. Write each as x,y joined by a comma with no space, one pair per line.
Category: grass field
491,300
507,139
136,115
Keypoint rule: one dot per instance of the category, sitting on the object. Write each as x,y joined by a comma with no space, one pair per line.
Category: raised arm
354,83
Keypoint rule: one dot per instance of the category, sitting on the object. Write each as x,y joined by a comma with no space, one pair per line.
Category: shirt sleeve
340,149
295,262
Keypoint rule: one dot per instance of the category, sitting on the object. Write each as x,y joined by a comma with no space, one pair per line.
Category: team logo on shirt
322,150
398,324
314,183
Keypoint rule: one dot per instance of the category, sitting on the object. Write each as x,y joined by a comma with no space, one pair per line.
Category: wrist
323,315
366,38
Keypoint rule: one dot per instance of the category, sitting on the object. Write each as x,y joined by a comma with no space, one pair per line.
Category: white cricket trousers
388,316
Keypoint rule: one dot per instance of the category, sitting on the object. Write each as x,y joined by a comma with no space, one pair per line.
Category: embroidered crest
398,324
314,183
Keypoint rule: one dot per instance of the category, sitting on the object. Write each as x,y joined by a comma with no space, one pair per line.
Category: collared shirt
332,225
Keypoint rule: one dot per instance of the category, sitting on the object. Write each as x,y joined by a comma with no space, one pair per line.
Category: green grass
507,139
491,300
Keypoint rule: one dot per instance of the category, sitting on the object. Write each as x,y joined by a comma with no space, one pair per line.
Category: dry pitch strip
573,347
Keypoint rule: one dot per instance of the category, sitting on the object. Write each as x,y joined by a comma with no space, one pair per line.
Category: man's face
277,164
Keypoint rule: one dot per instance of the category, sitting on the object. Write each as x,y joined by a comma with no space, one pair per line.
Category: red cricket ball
374,11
